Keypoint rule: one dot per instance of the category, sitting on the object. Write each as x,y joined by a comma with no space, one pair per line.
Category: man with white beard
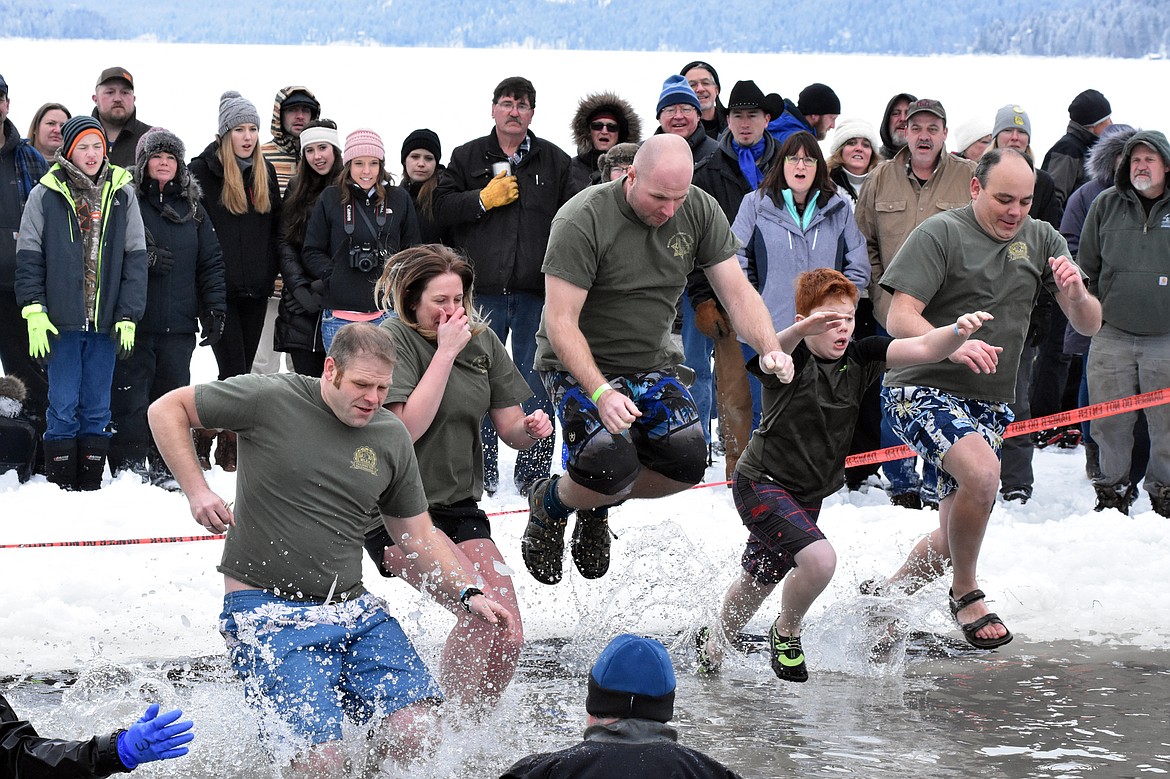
1124,250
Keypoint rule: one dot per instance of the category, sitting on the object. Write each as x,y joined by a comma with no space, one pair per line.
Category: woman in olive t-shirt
451,370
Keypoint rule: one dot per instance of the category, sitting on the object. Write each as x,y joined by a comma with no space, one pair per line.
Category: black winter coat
25,755
428,226
506,245
248,241
327,249
176,222
626,748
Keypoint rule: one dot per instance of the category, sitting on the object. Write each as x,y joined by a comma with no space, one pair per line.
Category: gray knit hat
234,111
1011,117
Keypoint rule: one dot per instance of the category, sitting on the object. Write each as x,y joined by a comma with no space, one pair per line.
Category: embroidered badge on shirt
682,244
365,459
1018,251
481,362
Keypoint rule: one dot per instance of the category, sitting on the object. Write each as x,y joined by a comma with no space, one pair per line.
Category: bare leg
815,565
963,519
479,659
743,599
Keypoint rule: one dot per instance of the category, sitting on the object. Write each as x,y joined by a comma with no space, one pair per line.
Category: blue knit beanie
676,90
632,678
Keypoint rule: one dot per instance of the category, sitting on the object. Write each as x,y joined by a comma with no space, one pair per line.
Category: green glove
500,191
125,338
39,328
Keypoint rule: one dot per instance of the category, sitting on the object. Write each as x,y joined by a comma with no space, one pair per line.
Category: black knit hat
632,678
1089,108
422,139
705,66
818,99
745,94
76,127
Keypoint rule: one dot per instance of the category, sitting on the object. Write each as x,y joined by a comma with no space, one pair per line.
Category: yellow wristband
597,393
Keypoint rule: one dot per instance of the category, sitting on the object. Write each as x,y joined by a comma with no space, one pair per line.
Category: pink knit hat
363,143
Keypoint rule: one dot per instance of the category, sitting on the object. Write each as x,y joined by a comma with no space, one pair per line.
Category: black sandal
970,628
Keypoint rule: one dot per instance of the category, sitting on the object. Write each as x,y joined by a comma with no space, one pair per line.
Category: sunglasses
599,126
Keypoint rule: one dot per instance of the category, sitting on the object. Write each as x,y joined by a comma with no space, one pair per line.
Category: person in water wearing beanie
630,700
81,232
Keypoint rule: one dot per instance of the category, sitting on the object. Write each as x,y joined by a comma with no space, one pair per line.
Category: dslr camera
367,256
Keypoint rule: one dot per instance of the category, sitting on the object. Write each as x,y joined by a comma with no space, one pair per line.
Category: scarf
87,203
747,162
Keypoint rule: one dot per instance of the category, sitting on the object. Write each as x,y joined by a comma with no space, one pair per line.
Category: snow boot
61,463
203,439
91,461
225,450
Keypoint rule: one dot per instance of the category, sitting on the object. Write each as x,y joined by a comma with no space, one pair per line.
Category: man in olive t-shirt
617,261
317,458
988,255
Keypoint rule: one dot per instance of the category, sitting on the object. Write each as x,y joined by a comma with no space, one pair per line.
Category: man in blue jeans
495,203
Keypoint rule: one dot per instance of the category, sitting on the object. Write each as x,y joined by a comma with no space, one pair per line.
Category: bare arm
749,316
418,412
425,549
171,418
1079,305
518,430
562,313
935,345
814,324
905,320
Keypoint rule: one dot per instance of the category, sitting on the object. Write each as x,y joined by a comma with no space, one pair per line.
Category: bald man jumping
617,261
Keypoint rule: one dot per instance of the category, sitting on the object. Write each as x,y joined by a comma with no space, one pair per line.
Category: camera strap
379,216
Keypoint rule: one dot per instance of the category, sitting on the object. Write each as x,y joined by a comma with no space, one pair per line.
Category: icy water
1054,710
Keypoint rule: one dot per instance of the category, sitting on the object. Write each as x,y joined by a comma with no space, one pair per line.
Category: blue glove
154,738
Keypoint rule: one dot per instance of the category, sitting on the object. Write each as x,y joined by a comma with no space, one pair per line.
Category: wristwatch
466,596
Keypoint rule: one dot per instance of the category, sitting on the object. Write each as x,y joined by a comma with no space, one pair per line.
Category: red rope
1023,427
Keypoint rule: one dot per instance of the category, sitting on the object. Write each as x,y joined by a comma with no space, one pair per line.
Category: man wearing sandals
988,255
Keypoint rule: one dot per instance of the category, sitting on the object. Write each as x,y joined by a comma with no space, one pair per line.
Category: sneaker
1115,496
907,500
787,657
543,544
590,544
1020,494
707,664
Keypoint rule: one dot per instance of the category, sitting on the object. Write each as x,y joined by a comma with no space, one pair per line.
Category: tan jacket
892,204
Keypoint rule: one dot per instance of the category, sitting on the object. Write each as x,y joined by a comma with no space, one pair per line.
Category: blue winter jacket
775,250
50,268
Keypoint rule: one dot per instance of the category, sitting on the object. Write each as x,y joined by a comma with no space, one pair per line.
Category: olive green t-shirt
634,273
450,455
307,484
955,267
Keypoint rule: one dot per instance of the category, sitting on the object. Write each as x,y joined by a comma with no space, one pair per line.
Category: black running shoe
543,544
707,664
590,544
787,657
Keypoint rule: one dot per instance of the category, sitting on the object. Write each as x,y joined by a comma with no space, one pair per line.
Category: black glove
159,259
212,323
308,298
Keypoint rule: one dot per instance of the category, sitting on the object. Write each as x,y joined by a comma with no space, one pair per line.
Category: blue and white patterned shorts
931,421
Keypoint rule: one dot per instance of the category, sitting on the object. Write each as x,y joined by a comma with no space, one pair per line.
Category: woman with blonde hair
451,371
44,132
242,198
853,153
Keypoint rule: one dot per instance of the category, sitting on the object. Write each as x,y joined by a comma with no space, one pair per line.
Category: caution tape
1024,427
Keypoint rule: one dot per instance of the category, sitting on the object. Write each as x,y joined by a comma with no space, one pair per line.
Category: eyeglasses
508,106
702,82
619,169
680,108
808,162
599,126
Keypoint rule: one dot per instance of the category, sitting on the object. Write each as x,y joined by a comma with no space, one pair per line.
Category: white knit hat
853,127
965,134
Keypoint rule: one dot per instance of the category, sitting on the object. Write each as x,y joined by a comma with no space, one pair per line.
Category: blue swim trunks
315,663
931,421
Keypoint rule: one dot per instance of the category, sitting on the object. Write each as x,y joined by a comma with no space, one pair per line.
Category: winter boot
128,458
91,461
1115,496
225,450
61,463
203,440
